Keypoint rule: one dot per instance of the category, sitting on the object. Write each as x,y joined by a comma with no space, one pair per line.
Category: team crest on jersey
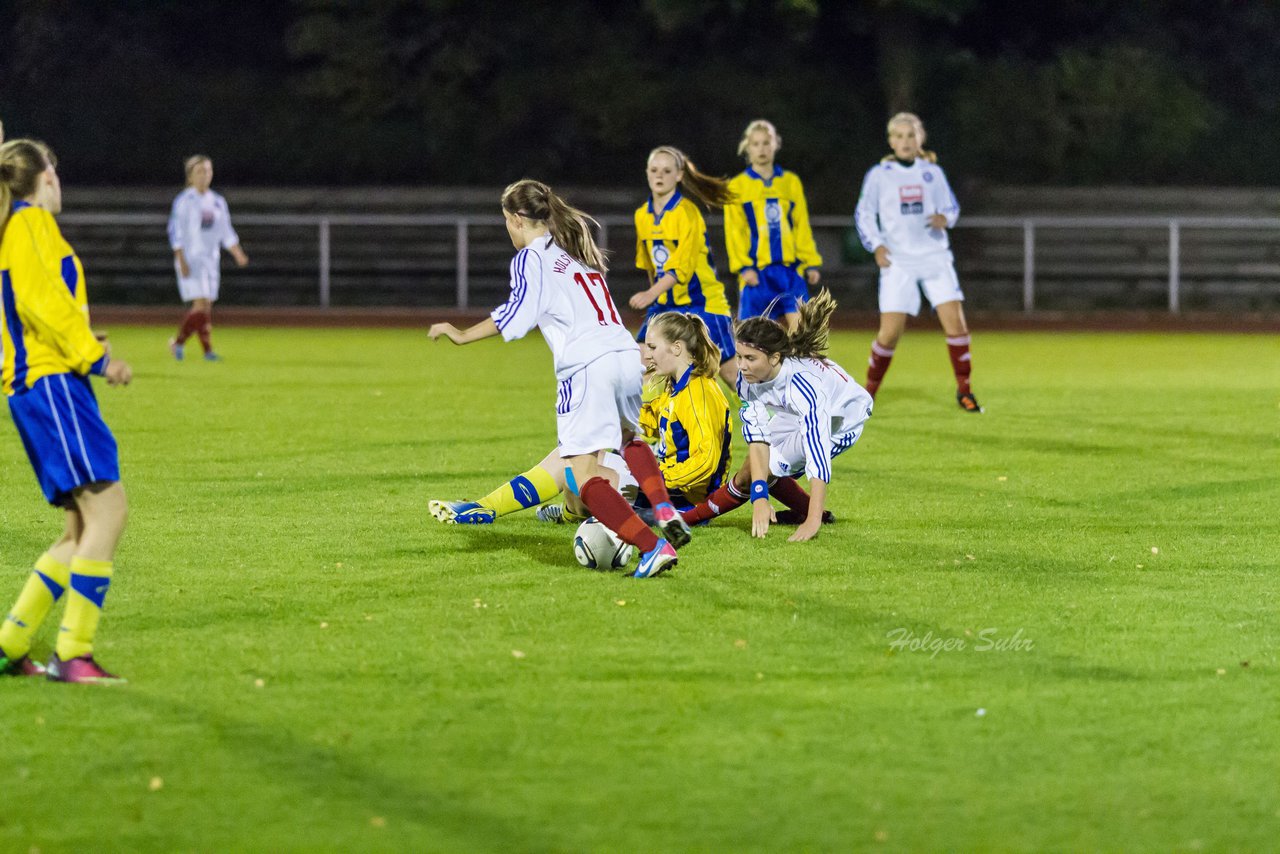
772,210
928,177
911,198
660,255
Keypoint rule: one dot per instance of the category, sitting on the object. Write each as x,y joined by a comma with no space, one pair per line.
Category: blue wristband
759,489
100,367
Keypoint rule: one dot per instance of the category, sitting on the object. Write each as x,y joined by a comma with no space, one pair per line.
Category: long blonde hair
809,340
764,125
570,227
22,162
712,192
691,331
913,120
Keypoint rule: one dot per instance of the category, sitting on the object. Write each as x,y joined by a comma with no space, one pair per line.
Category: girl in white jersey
199,229
800,411
903,214
558,286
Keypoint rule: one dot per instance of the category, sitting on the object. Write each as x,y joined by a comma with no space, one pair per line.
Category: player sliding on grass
817,414
904,211
48,353
558,286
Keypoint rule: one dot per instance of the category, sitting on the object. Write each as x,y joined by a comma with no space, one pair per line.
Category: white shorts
201,284
597,403
900,286
787,444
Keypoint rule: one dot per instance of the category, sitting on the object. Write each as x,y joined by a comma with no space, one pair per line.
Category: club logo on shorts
911,198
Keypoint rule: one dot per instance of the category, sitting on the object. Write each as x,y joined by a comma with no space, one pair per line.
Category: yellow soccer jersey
768,223
674,240
44,311
694,429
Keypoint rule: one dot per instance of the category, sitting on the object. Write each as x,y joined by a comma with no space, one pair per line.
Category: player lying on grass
558,286
817,414
687,416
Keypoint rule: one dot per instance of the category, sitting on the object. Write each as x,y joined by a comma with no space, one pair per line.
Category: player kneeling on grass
558,286
818,415
49,351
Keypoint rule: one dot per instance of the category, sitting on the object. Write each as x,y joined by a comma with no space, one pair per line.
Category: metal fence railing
462,225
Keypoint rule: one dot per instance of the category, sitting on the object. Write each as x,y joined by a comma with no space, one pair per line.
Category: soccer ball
596,547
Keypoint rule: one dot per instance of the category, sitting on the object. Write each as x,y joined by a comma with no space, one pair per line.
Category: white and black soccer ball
596,547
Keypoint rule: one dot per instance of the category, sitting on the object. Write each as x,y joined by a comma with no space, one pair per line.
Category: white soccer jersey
894,209
200,225
829,405
568,301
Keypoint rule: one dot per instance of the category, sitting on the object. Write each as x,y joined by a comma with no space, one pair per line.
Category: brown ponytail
570,227
710,191
810,339
691,331
22,161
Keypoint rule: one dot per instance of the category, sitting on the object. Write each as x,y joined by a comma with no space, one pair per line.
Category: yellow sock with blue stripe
522,492
44,587
90,580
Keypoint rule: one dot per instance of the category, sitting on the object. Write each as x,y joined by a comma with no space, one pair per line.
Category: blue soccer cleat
176,349
461,512
212,357
656,561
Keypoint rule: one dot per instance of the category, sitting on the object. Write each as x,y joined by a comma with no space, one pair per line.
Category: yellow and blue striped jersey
768,222
44,310
674,240
692,426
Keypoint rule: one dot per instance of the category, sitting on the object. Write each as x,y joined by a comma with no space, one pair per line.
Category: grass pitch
1052,626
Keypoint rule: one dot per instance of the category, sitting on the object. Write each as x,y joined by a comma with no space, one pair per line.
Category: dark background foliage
485,91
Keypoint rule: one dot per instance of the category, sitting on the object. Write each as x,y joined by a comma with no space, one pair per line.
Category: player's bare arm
484,329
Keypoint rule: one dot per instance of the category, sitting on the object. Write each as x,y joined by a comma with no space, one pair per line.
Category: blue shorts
719,325
66,439
781,291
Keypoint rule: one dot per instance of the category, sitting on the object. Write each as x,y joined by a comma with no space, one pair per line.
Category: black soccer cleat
968,402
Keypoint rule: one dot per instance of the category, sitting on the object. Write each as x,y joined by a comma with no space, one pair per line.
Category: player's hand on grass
882,256
446,329
118,373
762,513
807,531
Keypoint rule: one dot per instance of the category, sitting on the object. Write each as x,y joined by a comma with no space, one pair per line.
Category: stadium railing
833,231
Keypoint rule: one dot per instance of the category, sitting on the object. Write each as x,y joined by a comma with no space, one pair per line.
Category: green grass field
316,664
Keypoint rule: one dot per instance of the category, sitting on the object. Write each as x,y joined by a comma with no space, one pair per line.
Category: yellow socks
522,491
90,580
44,587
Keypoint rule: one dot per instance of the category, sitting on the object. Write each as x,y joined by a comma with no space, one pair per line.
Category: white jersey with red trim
568,301
894,209
829,406
200,225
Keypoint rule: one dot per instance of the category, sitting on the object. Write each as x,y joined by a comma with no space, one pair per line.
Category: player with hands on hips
903,213
49,352
558,287
800,411
199,229
767,232
672,248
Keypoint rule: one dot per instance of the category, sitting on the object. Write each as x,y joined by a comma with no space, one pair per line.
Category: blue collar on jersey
671,203
20,204
777,173
683,382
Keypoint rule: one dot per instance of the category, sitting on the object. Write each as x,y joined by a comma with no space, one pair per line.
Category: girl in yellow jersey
767,232
672,248
49,351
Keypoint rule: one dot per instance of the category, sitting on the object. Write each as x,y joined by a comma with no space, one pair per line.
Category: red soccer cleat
80,670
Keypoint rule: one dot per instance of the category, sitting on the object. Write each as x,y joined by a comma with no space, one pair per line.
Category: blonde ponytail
22,161
810,339
690,330
570,228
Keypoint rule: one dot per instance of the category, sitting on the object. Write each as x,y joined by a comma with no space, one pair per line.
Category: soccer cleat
212,357
968,402
554,513
673,527
82,670
461,512
20,666
791,517
656,561
176,349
